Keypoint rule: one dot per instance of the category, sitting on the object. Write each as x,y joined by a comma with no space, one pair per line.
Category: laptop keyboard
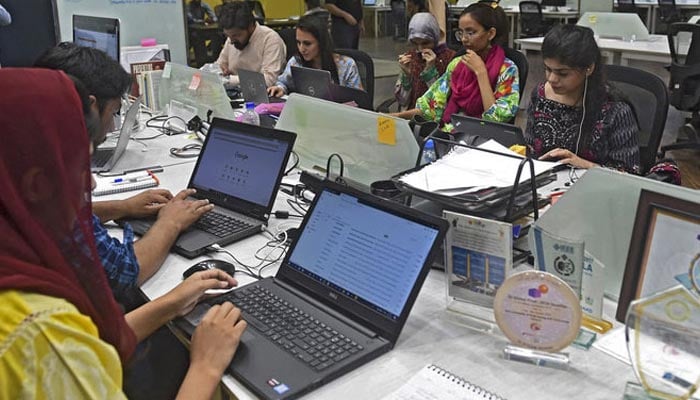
221,225
100,158
298,333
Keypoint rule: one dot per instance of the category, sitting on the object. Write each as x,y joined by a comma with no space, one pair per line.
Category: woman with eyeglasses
483,83
575,116
425,63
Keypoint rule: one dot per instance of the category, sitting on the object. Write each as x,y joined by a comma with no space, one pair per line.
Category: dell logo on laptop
333,296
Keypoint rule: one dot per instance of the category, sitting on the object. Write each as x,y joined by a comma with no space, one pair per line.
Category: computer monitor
553,3
97,32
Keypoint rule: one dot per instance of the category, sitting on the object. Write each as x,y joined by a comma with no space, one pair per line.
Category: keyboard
221,225
101,157
315,343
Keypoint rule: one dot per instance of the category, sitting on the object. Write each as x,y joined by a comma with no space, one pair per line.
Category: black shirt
354,7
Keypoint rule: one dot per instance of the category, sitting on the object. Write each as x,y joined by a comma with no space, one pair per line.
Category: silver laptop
239,171
253,87
312,82
105,158
340,297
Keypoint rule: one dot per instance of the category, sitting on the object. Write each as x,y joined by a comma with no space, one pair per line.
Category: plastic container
429,154
250,116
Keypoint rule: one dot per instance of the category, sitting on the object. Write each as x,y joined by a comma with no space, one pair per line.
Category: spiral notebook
435,383
112,185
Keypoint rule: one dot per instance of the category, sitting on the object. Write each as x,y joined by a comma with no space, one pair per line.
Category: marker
677,380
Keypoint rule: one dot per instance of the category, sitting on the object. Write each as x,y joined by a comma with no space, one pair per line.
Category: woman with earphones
575,116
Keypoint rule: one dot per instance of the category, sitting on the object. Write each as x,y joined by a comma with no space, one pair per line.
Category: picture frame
665,241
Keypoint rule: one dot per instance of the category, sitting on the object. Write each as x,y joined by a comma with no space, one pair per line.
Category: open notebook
435,383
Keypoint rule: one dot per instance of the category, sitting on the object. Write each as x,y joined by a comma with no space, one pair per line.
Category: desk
376,11
513,14
429,335
616,51
281,23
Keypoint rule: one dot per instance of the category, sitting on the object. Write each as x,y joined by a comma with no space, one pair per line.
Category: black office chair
626,6
648,97
365,65
258,10
532,23
289,36
684,84
668,12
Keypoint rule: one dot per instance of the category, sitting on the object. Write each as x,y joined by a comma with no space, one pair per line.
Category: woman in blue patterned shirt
315,50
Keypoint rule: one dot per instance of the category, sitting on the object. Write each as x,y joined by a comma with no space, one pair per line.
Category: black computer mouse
210,264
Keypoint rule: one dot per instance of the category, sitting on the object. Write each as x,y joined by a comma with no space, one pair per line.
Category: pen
131,180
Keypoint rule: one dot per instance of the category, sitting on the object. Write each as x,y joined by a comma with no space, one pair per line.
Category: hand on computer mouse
187,294
210,264
565,156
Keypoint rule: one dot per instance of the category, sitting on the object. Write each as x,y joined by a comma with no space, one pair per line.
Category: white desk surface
429,336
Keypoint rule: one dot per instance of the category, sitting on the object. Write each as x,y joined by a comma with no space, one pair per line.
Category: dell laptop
253,87
312,82
239,170
104,159
340,297
505,134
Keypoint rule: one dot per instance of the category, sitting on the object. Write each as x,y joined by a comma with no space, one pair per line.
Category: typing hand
146,203
567,157
182,212
275,91
216,339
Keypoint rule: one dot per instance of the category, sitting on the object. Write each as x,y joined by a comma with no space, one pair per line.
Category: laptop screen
363,252
97,32
240,164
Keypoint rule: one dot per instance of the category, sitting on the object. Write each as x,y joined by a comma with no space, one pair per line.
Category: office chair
648,97
668,12
365,65
684,84
532,23
289,36
626,6
258,10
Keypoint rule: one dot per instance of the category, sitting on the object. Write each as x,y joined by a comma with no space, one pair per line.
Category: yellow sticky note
386,130
592,19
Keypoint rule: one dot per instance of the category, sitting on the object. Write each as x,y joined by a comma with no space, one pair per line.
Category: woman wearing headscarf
425,63
61,332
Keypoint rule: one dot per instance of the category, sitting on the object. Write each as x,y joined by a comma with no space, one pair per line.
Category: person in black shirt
347,22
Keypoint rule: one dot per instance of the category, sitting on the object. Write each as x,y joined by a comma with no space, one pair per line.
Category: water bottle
250,116
428,152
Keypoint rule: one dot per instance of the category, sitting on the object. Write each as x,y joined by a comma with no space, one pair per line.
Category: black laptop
105,158
239,171
505,134
341,295
253,87
312,82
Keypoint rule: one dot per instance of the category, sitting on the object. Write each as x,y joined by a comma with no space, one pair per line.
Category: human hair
575,47
489,15
236,15
310,24
92,120
102,76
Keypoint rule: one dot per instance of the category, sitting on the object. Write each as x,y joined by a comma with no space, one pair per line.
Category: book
435,383
137,71
124,183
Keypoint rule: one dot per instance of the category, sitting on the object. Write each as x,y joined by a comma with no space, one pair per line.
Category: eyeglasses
470,34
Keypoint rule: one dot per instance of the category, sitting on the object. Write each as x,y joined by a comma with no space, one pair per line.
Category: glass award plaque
540,314
663,340
478,258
